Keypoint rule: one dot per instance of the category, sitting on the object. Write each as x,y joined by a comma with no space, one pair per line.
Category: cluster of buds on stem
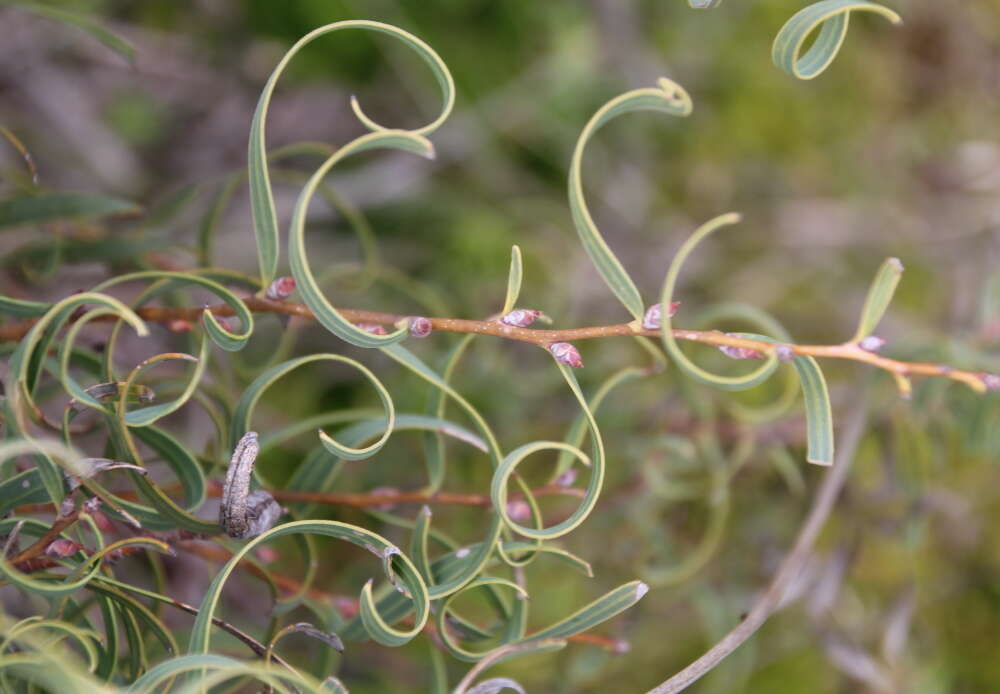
280,289
653,319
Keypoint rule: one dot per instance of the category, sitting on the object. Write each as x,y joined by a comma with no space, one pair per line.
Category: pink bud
518,510
179,326
373,328
62,548
67,506
102,521
420,326
740,352
567,354
267,554
281,288
992,381
567,478
784,352
521,318
390,493
872,343
653,320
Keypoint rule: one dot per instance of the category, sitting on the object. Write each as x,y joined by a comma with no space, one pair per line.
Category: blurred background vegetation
894,151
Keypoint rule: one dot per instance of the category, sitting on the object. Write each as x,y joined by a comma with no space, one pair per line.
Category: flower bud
653,320
784,352
872,343
567,478
420,326
179,325
373,328
567,354
281,288
521,318
62,548
391,493
740,352
102,521
518,510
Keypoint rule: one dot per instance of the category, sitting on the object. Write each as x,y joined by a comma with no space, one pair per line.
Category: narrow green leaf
20,307
819,416
42,208
248,401
265,220
668,97
879,296
308,287
224,338
755,377
498,490
513,280
604,608
832,18
396,565
443,614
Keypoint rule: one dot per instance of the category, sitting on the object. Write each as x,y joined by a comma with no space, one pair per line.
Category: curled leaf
667,97
831,17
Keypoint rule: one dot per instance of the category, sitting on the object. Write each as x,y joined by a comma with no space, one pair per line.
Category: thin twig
790,568
544,338
388,497
40,545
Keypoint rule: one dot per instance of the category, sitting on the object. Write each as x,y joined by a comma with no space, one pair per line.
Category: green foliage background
894,151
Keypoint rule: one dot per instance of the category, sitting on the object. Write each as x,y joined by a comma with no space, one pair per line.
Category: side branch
852,351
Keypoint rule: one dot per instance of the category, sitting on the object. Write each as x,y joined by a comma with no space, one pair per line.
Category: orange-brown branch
543,338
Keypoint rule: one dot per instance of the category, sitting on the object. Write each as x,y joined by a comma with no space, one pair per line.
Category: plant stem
901,370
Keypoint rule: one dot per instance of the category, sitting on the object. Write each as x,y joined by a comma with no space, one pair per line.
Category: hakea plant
60,520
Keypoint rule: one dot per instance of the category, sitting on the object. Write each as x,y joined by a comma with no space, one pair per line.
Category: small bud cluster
420,326
521,318
280,289
567,354
653,320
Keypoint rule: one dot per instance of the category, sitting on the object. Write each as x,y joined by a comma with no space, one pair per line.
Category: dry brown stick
978,381
790,568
